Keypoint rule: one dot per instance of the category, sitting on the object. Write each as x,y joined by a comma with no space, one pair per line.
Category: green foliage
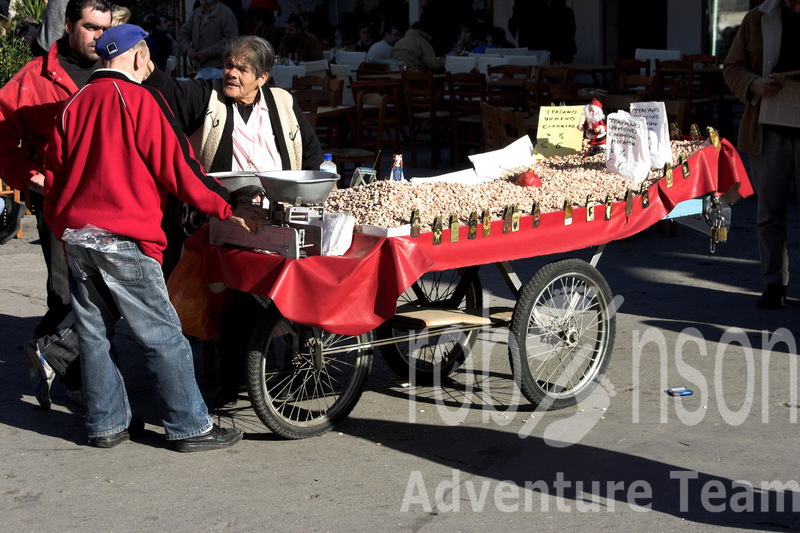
33,9
14,53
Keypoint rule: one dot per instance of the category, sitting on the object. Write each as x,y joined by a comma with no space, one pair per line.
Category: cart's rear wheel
302,380
419,358
562,333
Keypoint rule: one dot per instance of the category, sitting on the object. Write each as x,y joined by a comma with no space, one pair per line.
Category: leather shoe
774,297
109,441
214,439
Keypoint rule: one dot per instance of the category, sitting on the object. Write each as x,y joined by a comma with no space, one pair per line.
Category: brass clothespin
453,227
684,161
629,202
714,136
486,221
645,196
416,226
437,230
537,214
694,132
609,206
567,211
668,174
589,208
473,225
674,131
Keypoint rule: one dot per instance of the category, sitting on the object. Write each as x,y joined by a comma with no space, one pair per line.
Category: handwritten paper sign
558,133
628,154
657,130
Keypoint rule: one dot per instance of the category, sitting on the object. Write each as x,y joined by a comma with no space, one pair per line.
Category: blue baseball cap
117,40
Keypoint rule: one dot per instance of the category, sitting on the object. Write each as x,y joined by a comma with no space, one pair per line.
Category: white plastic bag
658,131
337,232
627,146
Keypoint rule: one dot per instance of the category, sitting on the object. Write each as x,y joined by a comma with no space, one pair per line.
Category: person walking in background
765,46
29,103
382,50
204,34
113,239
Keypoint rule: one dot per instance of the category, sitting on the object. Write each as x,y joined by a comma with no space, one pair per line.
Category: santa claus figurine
593,127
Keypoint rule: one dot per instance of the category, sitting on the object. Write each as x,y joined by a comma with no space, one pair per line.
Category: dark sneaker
10,219
774,297
214,439
40,373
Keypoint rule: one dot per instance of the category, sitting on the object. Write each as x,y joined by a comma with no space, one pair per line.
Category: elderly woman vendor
235,124
238,124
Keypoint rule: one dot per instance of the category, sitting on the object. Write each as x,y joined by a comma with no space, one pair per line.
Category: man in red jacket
109,217
29,103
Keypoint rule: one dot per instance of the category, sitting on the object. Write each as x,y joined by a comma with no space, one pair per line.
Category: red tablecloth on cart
356,292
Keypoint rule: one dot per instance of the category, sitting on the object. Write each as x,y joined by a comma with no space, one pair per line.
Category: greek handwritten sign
627,146
558,133
657,130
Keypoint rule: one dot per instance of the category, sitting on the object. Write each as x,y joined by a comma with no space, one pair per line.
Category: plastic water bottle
327,164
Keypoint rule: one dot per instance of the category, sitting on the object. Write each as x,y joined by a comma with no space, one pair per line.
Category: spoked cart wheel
421,357
302,380
562,333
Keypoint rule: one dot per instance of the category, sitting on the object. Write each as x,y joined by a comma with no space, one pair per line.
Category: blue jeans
102,282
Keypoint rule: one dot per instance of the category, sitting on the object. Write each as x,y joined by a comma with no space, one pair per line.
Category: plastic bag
191,298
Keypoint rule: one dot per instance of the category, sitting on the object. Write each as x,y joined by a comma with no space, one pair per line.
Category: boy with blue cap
114,155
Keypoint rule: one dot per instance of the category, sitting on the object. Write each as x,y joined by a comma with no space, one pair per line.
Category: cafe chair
282,74
342,72
486,61
428,118
371,68
506,85
327,130
652,54
316,68
525,61
350,58
368,134
626,66
555,85
465,92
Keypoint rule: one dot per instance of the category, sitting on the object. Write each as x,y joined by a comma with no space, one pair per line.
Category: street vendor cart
419,300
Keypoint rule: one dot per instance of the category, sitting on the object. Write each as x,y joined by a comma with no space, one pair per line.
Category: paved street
471,455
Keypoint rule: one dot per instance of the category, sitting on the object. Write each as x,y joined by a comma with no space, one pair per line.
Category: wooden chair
322,83
627,66
555,84
368,133
465,92
328,131
509,125
491,136
368,68
428,118
506,85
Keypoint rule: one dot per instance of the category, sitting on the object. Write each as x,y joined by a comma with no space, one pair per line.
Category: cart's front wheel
423,358
302,380
562,333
